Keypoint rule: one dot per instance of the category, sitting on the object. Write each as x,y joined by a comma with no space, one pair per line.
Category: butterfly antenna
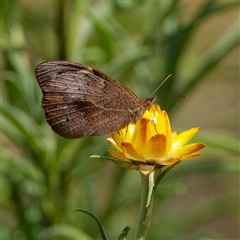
161,84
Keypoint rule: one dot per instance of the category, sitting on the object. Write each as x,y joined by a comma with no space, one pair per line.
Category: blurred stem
60,30
113,198
145,212
219,50
157,20
20,208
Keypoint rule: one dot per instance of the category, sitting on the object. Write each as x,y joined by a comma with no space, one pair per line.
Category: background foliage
44,177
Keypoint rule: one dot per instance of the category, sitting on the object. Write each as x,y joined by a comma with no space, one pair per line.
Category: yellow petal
174,134
147,114
184,137
168,132
170,161
155,109
152,113
186,150
113,143
192,155
156,147
118,155
130,152
127,132
143,131
163,127
115,140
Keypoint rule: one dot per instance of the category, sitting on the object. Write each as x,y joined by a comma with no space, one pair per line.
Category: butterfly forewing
80,101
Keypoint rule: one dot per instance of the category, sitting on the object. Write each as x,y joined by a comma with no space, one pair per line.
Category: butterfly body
81,101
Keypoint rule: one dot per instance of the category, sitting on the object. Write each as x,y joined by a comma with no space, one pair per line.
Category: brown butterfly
81,101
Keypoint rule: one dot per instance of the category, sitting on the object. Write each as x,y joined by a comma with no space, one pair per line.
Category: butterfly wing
80,101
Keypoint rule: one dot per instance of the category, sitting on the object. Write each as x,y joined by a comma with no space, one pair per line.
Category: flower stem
145,212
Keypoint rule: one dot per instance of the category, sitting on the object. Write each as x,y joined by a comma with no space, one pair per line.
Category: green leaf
101,228
123,235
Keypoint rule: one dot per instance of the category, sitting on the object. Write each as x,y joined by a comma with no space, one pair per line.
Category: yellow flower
151,143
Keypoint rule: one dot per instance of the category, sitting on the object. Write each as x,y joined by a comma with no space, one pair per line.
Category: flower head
150,142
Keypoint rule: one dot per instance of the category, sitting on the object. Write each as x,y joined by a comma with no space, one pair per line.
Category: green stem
149,187
145,213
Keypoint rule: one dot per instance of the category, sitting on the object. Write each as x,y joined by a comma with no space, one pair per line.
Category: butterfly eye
149,102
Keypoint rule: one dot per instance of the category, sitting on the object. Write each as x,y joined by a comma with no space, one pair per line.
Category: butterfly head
140,107
148,102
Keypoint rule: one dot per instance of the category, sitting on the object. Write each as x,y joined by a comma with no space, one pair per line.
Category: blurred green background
45,177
